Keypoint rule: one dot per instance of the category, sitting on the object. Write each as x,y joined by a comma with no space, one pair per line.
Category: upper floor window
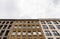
0,21
55,22
33,27
48,33
57,38
19,27
1,26
14,33
29,27
18,33
11,22
15,27
7,22
3,22
24,33
37,27
39,33
37,22
29,32
51,27
28,21
24,27
34,33
50,38
32,21
58,26
55,33
43,22
48,22
24,21
45,27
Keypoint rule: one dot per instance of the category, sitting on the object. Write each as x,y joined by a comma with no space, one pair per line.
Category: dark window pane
58,26
50,38
45,27
55,33
57,38
48,22
48,33
43,22
51,27
3,22
1,26
55,22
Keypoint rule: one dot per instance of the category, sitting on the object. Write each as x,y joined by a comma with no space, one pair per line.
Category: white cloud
53,9
29,9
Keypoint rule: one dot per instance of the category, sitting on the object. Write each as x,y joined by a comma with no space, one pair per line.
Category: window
24,33
2,32
43,22
4,37
37,22
29,33
33,27
24,21
32,22
20,21
24,27
3,22
48,22
51,27
9,26
45,27
38,27
15,27
48,33
57,38
4,26
50,38
13,33
11,22
19,33
19,27
0,21
29,27
6,32
1,26
34,33
58,26
39,33
7,22
55,33
55,22
28,21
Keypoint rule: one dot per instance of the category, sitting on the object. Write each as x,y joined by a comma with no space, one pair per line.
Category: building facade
29,28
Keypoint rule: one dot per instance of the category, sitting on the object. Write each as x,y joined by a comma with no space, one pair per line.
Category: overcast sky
24,9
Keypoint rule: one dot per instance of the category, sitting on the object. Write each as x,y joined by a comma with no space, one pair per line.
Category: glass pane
45,27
